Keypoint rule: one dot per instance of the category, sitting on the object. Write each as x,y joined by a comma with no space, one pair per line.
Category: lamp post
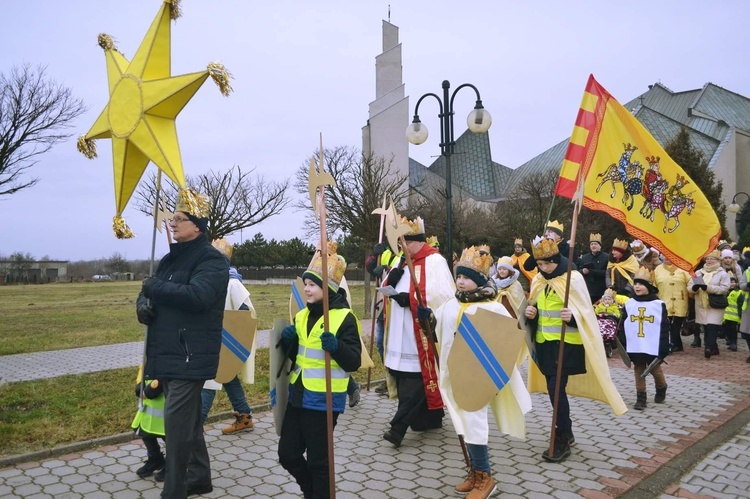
735,208
478,121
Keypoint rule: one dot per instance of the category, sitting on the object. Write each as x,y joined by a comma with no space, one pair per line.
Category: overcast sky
304,67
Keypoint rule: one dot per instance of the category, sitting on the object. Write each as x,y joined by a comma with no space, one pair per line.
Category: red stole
426,354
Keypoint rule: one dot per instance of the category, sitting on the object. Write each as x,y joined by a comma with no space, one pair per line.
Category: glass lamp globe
479,120
416,133
733,208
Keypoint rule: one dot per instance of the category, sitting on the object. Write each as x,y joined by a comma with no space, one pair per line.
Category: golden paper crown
223,246
484,248
644,275
595,238
473,259
416,226
544,248
555,225
746,248
336,269
611,293
518,242
724,242
637,246
433,242
715,254
333,247
620,244
193,203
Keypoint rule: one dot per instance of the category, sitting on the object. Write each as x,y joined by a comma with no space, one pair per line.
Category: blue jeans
236,397
479,456
379,333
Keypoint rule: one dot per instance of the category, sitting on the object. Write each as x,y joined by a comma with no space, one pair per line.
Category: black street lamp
478,121
734,208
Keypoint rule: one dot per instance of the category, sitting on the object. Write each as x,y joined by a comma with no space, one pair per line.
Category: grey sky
305,67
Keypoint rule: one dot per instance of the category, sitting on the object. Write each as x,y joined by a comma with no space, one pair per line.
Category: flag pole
326,326
556,398
375,300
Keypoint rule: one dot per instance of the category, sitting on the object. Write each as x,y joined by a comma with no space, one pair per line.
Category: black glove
423,313
394,276
402,299
148,283
378,271
145,312
289,334
378,249
704,287
329,342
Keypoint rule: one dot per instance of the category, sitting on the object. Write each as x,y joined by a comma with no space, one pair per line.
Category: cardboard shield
482,357
236,342
279,376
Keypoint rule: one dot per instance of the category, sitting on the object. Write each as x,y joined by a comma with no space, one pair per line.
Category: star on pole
144,101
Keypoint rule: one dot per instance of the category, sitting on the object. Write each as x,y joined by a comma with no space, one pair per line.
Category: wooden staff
556,397
326,326
375,300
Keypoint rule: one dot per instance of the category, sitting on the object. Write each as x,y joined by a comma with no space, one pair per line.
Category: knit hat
727,253
610,293
505,262
475,265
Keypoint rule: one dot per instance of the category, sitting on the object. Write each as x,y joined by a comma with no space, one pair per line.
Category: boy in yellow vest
732,314
304,428
149,424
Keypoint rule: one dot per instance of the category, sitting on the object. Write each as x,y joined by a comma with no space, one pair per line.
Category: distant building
717,119
33,272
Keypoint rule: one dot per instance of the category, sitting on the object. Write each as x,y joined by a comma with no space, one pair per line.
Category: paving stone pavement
610,456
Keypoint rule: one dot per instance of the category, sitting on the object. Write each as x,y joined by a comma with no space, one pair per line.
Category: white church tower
384,135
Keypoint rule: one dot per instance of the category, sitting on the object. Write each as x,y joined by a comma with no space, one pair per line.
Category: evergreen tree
694,163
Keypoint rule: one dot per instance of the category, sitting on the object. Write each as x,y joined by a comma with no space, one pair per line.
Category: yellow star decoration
144,100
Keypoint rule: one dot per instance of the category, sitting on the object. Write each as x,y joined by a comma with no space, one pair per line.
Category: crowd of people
632,298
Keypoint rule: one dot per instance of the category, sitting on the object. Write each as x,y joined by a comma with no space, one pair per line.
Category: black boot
661,395
696,342
561,450
640,402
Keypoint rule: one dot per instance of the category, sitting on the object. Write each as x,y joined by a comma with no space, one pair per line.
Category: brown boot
467,485
241,422
484,486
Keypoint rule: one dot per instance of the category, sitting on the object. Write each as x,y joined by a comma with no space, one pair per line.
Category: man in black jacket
593,266
183,306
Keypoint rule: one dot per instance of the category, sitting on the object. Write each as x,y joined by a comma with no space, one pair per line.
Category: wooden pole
556,397
375,302
326,326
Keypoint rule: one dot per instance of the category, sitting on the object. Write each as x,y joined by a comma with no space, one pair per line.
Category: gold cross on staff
641,318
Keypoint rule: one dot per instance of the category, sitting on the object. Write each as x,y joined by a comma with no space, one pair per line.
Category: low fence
249,274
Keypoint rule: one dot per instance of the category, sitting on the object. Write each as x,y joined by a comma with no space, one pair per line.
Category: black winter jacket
596,279
188,293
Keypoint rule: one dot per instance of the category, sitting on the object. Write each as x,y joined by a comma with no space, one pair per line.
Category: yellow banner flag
614,165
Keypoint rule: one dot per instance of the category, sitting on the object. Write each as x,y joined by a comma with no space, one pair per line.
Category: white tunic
642,324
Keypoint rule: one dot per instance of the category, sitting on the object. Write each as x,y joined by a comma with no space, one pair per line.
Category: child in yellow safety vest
149,423
732,314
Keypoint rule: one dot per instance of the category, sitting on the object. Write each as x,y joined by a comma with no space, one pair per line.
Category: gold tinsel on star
121,229
87,147
174,9
221,75
106,42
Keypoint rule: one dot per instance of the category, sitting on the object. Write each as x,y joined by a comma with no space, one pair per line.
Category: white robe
508,406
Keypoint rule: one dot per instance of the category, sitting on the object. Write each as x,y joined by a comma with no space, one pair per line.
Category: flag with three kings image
613,164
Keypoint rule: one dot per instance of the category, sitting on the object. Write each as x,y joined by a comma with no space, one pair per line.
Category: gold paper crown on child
595,238
611,293
620,244
544,248
644,275
193,203
416,226
637,246
484,248
223,246
554,224
715,253
336,269
518,242
746,248
433,242
473,259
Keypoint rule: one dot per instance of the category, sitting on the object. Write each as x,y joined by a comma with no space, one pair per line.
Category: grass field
36,415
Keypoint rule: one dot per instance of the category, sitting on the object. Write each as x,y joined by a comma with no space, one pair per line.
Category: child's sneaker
151,465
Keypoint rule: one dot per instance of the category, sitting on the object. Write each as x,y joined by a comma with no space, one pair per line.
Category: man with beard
593,267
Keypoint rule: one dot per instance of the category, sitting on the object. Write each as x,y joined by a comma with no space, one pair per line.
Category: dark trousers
187,456
306,430
711,333
412,407
730,331
562,422
675,325
153,449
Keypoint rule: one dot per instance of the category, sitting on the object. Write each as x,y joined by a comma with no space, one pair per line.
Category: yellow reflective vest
151,418
731,313
549,322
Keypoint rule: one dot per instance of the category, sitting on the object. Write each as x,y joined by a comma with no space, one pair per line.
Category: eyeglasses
177,220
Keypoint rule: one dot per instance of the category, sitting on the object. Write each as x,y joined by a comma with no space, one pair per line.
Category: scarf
626,268
711,267
504,283
488,292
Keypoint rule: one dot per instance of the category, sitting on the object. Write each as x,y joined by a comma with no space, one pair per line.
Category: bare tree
34,114
238,199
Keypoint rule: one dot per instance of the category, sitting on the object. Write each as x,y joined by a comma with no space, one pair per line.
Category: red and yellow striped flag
613,164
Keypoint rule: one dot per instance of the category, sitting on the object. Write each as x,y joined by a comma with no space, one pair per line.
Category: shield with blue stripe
484,353
238,332
297,300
